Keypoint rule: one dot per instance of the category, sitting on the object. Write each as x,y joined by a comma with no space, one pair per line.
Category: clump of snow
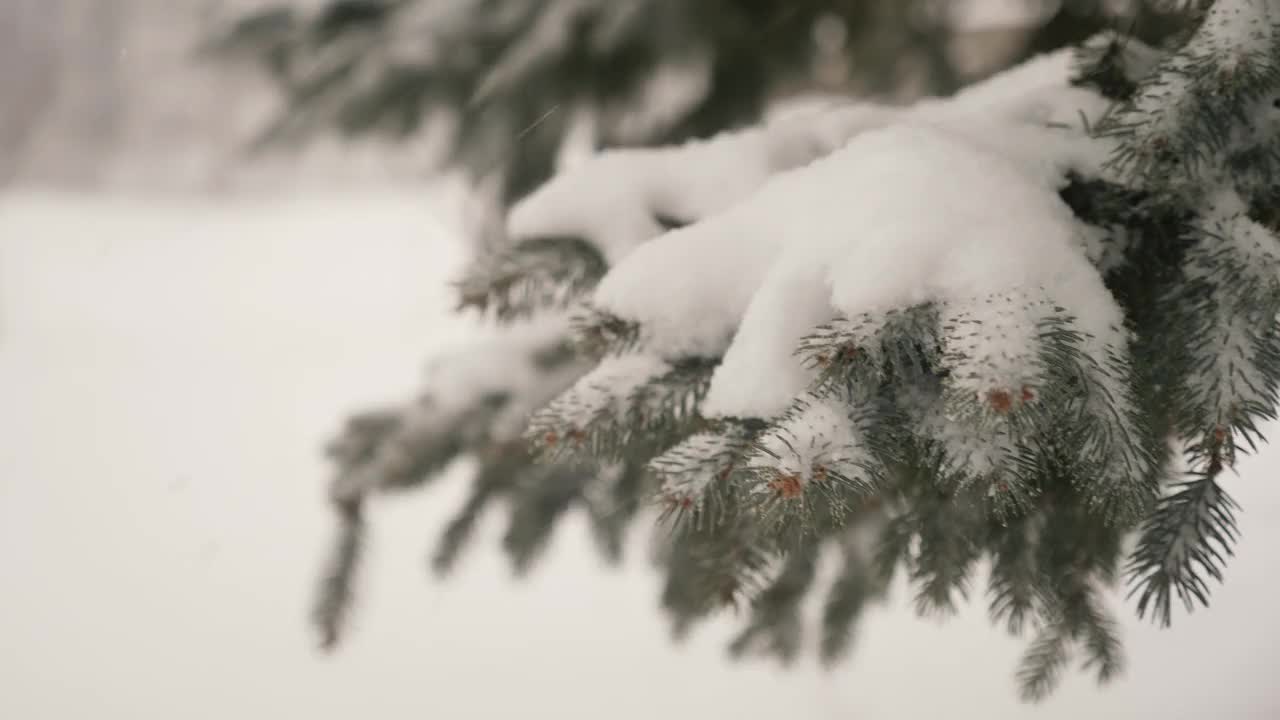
1106,247
1015,112
791,301
1015,93
689,288
1038,92
988,226
1045,153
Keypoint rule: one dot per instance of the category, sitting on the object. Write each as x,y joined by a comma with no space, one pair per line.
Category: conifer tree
1030,324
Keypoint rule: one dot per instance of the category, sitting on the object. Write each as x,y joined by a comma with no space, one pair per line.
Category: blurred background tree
507,88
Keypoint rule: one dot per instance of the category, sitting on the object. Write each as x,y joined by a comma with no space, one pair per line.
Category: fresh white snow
838,228
849,235
616,199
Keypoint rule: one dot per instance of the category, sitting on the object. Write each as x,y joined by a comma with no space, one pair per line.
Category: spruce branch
1114,64
899,345
774,627
694,475
535,274
335,594
988,411
500,469
709,568
613,498
599,333
855,586
1042,665
544,494
1076,619
630,405
1189,535
1016,577
1101,640
813,466
934,532
1199,106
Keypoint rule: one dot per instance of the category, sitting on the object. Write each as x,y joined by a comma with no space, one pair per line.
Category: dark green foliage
856,585
1079,621
540,498
1016,578
613,501
775,627
1043,663
512,77
713,566
1203,290
498,469
934,537
1187,538
333,602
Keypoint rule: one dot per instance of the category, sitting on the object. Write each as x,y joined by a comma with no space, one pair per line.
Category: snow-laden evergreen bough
1031,326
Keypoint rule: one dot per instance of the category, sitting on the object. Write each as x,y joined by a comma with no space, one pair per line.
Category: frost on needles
1030,327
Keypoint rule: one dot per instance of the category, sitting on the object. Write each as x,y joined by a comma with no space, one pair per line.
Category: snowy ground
167,372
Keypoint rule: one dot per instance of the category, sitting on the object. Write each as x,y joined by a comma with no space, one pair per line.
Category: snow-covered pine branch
965,330
1030,389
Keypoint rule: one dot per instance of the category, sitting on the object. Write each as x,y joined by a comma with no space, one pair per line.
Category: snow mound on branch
949,221
622,198
791,301
902,216
860,240
689,288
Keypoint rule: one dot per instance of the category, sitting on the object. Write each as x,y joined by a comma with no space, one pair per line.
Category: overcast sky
167,373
